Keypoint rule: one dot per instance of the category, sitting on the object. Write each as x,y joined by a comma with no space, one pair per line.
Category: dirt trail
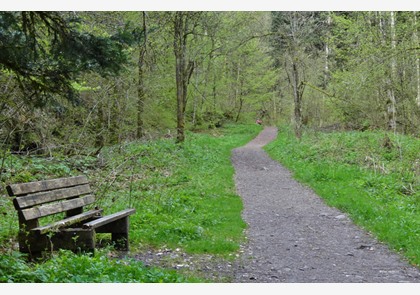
294,237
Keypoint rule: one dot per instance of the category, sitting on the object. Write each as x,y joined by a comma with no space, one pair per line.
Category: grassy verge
373,176
183,194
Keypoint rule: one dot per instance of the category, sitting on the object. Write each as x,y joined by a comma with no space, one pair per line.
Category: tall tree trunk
99,126
114,116
274,108
327,52
182,69
238,91
180,52
241,98
186,81
141,95
195,103
416,43
297,95
208,75
241,102
392,102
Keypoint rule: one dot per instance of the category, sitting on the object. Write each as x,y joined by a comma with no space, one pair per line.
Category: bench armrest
109,218
68,221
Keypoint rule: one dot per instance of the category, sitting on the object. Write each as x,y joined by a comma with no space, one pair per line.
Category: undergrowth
373,176
68,267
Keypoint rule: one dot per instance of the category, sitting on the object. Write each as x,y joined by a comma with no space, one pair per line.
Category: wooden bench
76,228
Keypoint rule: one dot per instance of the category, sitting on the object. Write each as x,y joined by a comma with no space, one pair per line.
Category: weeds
67,267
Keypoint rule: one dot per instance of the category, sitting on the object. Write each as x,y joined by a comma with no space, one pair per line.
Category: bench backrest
37,199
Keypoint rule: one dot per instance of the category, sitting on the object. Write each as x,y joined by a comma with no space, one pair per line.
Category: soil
292,235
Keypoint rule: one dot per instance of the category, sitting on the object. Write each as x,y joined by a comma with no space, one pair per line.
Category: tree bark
392,102
297,95
327,52
99,126
141,93
183,69
180,52
238,91
416,43
241,102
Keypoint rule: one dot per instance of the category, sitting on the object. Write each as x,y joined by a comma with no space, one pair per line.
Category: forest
73,81
145,101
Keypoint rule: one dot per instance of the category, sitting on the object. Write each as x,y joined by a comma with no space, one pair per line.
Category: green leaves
46,52
67,267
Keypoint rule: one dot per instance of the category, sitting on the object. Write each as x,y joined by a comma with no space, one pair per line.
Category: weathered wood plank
19,189
120,225
74,239
45,210
68,221
109,218
51,196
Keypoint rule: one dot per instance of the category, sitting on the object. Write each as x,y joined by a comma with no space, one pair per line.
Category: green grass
183,194
67,267
373,176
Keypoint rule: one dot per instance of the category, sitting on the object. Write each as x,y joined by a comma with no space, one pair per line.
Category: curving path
294,237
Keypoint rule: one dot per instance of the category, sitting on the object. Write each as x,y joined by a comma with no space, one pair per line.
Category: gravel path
294,237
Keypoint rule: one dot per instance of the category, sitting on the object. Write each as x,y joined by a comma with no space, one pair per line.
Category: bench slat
51,196
19,189
67,221
109,218
45,210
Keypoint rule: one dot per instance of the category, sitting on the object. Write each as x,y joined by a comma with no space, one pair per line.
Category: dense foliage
141,74
45,52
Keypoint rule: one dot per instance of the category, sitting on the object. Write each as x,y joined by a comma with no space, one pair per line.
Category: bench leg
75,239
120,241
119,233
33,244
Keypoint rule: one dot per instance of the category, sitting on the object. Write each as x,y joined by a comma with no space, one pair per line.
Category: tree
140,86
375,79
295,35
233,72
416,43
391,101
184,23
46,52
